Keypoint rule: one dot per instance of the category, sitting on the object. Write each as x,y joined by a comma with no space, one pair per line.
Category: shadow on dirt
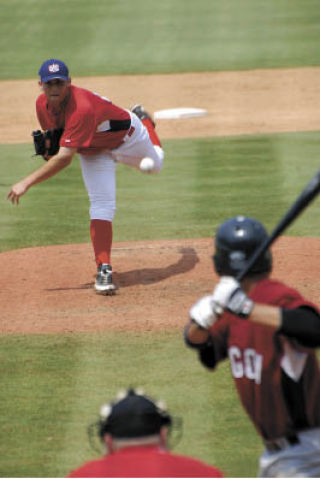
187,262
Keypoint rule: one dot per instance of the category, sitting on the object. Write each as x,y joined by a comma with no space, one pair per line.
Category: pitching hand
16,191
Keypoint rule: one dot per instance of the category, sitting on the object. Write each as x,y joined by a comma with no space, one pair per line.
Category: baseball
147,165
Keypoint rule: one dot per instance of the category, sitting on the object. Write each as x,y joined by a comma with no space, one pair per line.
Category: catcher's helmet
134,415
235,242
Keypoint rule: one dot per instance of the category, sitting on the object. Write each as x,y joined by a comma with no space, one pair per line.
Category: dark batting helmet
235,242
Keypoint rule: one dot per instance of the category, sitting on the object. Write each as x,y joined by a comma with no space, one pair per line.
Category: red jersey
147,461
91,123
257,356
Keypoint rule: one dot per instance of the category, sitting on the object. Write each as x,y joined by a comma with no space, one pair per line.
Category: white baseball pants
99,172
298,460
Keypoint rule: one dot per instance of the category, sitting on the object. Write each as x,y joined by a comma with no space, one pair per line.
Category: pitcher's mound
50,289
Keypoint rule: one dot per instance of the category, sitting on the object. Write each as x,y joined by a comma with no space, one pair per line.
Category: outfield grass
147,36
203,182
53,387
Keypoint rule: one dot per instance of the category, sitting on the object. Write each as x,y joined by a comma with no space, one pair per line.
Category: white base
176,113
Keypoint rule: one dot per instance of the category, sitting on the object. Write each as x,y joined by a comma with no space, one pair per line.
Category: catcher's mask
132,415
235,242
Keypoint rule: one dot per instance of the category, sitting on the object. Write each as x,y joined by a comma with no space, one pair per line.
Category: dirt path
163,278
167,276
258,101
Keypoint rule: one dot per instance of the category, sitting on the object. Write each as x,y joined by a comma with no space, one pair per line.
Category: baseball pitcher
75,120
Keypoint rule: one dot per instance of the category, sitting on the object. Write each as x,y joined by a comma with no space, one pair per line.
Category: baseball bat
304,199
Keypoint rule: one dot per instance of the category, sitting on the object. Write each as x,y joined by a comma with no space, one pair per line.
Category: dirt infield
258,101
49,290
159,280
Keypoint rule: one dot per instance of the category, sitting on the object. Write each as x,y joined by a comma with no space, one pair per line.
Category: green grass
146,36
53,387
203,182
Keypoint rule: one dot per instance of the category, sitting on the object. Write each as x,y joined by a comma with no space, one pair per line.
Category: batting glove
202,312
229,295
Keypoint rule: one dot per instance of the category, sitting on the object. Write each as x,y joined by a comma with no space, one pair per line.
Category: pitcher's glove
47,143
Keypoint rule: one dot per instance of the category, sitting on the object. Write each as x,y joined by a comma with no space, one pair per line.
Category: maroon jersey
259,356
91,123
147,461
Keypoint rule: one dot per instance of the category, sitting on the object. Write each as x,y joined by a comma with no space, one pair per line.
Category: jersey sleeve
279,294
216,349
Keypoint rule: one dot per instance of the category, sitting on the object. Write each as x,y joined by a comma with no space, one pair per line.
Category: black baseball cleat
104,284
142,113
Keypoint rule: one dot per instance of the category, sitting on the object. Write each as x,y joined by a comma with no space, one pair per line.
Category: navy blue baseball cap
53,69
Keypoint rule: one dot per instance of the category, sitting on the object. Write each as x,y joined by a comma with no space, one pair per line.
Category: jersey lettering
247,364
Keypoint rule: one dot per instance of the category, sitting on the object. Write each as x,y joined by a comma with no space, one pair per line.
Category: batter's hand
229,295
202,312
16,191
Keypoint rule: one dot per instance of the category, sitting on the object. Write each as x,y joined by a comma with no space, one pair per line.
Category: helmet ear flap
229,262
216,263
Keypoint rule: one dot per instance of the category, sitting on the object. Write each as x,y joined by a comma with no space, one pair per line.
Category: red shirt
256,353
147,461
85,121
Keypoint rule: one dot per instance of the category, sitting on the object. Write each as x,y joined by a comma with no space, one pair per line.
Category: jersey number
245,363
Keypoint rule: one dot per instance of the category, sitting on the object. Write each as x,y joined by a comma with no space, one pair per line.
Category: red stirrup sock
101,238
152,132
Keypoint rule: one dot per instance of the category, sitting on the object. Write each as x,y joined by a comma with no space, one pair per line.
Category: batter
270,333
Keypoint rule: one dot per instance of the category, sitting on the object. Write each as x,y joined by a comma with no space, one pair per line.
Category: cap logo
53,68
